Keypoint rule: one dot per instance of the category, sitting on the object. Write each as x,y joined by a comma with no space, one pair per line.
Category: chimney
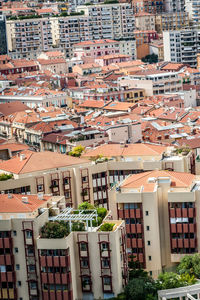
10,196
22,157
25,199
40,196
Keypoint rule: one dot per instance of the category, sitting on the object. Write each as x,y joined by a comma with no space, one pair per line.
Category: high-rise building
29,37
3,40
193,8
174,5
171,21
182,46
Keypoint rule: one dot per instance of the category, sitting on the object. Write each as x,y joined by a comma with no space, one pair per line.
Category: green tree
170,280
150,58
140,289
190,264
55,230
76,151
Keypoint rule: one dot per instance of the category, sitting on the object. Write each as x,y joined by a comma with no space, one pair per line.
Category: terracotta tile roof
115,150
54,53
173,66
52,61
110,56
4,57
10,108
39,161
16,205
191,143
92,104
123,106
94,42
88,66
14,147
179,180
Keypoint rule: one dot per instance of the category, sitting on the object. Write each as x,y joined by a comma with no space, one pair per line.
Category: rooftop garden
57,229
5,176
99,159
183,150
36,16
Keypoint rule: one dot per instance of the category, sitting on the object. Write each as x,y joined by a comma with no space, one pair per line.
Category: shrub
107,227
76,151
52,212
5,176
78,226
85,205
101,211
55,230
190,264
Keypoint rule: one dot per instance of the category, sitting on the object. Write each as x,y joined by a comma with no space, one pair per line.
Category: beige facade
145,21
90,181
79,266
171,21
161,210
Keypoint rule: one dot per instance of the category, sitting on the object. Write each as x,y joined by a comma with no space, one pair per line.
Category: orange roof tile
179,179
39,161
16,205
114,150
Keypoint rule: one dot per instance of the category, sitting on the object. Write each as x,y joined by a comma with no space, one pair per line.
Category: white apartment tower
182,46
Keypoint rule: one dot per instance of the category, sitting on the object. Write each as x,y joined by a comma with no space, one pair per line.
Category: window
150,273
2,269
106,263
146,213
83,246
14,233
19,283
107,281
17,267
84,263
148,228
16,250
29,234
148,243
149,258
104,246
33,285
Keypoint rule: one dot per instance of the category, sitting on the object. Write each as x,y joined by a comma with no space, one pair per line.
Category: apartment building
110,21
156,47
3,41
161,211
86,264
144,21
171,21
174,5
148,6
28,38
156,81
95,48
34,97
80,179
193,9
182,46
